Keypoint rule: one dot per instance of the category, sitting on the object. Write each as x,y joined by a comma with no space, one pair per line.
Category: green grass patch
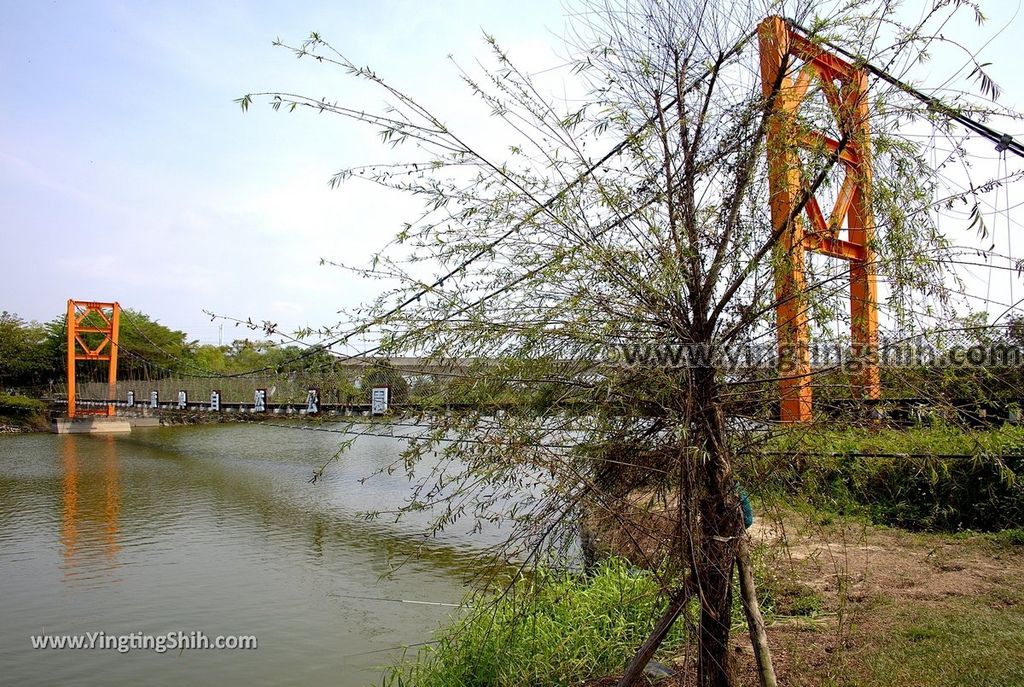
12,405
780,594
1009,537
550,630
947,647
936,440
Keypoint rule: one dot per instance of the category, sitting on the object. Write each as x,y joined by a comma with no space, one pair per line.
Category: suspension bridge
844,231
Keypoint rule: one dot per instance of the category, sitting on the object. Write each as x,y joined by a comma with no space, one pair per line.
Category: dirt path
866,561
849,599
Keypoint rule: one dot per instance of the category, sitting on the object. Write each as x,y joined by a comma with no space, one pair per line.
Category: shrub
939,478
12,405
23,412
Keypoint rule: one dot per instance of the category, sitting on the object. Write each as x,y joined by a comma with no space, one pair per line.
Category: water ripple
213,529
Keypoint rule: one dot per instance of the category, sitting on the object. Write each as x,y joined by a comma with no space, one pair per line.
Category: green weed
551,629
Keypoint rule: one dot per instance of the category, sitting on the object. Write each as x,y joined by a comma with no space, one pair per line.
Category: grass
934,478
959,644
902,608
551,630
1009,537
936,610
939,439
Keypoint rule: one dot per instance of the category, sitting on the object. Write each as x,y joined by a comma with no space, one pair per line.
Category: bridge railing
279,390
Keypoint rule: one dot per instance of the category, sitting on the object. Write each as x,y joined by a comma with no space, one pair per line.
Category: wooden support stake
643,656
755,623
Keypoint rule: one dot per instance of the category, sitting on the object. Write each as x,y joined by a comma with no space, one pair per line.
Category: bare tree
564,276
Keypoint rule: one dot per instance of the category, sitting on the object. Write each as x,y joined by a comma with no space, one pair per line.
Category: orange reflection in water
69,488
90,531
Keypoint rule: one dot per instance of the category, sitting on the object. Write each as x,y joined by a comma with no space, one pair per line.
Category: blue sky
127,173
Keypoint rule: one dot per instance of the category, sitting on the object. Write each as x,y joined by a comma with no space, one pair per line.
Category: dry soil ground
856,605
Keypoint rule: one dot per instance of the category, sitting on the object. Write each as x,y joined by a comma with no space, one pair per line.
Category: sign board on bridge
215,401
131,399
154,399
182,399
312,401
259,401
379,400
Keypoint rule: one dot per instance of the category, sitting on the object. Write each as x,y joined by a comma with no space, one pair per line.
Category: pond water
215,529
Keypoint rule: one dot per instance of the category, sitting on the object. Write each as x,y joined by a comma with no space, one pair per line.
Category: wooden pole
635,669
755,623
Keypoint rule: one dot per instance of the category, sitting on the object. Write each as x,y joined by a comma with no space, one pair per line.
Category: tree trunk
713,553
715,588
721,525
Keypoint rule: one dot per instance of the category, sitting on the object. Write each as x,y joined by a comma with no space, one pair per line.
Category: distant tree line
34,354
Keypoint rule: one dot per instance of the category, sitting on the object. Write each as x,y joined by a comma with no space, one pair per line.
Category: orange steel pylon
845,90
107,321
